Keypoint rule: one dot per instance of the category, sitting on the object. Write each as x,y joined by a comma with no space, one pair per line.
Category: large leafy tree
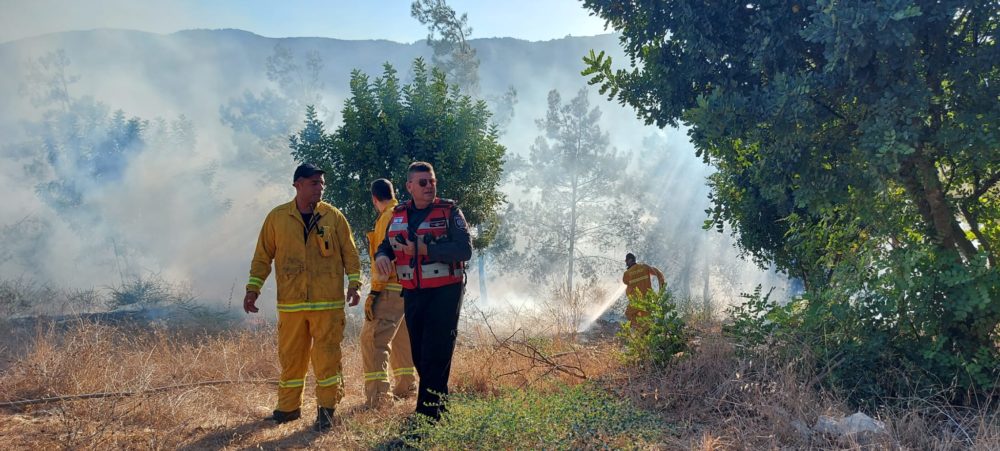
388,125
857,147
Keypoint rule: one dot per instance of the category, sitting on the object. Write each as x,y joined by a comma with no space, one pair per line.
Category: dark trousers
432,319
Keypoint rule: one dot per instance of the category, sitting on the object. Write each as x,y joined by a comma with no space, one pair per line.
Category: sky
533,20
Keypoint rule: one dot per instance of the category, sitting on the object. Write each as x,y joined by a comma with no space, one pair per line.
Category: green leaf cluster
388,125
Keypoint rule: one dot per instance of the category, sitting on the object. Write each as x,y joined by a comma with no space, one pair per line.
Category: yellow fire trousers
314,335
632,313
385,339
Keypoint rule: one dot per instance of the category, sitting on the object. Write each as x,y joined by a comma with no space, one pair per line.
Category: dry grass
710,400
92,358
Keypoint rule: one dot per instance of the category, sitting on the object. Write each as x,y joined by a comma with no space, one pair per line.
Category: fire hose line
29,402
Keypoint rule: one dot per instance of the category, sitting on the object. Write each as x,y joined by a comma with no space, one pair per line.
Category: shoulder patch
460,222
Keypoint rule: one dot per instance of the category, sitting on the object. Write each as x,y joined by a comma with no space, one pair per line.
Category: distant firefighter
637,278
311,246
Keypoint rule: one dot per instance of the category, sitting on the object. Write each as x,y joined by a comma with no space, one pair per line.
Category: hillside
193,72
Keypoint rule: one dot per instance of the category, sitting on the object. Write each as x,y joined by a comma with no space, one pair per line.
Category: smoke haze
187,203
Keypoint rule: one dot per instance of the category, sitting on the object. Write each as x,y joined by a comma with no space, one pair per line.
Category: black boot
284,417
324,419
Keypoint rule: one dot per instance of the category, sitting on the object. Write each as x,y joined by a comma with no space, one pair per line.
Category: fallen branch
536,356
29,402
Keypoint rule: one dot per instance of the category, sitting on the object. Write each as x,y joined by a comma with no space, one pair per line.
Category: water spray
604,306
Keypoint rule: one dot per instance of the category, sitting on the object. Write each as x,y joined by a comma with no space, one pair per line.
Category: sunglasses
423,182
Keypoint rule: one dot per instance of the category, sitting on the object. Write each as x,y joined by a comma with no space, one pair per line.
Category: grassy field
513,391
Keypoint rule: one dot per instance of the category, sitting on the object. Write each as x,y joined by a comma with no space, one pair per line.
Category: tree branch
973,221
532,353
985,187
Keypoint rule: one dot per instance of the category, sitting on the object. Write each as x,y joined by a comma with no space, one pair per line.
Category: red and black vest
417,271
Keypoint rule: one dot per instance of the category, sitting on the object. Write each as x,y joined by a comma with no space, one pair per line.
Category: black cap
306,170
629,256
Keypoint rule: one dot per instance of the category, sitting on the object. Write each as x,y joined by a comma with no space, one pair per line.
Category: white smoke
191,212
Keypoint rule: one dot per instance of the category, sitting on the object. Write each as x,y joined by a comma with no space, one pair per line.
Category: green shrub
657,337
925,318
759,321
918,323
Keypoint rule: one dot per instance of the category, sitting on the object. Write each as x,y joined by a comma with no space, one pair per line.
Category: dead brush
721,398
930,423
490,359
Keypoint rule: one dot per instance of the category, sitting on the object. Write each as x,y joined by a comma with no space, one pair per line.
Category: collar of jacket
322,208
412,206
392,204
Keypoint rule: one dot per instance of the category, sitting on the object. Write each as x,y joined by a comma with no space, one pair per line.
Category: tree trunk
921,181
572,238
706,292
482,279
482,269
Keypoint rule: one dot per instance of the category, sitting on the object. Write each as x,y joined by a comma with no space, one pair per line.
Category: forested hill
192,72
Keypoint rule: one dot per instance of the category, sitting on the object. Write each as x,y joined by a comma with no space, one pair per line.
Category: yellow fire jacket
375,238
310,267
637,279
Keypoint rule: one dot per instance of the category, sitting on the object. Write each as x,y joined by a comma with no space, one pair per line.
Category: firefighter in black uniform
428,239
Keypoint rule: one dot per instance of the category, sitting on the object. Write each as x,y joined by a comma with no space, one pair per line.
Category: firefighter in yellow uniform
311,246
384,337
637,280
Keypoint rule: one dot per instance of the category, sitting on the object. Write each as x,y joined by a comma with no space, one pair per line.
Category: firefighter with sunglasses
429,241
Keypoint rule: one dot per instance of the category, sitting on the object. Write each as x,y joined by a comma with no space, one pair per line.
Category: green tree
858,148
387,126
447,34
301,84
